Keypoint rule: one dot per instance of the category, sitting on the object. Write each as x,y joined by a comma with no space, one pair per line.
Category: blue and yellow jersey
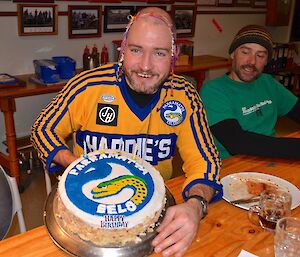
96,104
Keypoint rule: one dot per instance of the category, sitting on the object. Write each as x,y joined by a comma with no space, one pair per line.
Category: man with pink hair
140,100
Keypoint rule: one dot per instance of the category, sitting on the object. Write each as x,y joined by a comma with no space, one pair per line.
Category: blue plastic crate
66,66
46,71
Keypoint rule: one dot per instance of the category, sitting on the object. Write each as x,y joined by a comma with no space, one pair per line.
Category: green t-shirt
255,105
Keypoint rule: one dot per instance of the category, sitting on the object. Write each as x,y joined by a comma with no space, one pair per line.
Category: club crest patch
173,113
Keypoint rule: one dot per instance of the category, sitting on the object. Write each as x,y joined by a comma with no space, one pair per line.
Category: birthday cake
109,198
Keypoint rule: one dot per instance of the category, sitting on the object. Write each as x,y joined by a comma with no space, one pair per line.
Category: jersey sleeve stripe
46,139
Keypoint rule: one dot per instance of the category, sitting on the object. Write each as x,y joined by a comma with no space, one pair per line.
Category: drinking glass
273,205
287,237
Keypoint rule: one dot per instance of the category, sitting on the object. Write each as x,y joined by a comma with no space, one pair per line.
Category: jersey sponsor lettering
152,148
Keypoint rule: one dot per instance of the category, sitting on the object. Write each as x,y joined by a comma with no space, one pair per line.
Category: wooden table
223,233
197,69
200,65
8,107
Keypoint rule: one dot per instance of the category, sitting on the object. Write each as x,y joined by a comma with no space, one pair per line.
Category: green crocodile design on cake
114,186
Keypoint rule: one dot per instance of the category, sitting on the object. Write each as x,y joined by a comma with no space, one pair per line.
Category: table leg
8,107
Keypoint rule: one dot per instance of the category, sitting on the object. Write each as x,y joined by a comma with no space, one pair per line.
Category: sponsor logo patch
108,98
107,114
173,113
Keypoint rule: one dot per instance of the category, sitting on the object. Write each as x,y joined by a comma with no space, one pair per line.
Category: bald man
139,90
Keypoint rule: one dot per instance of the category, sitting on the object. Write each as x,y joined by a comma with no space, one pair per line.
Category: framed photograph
34,19
185,19
33,1
116,18
84,21
186,1
242,3
104,1
160,2
259,3
141,1
206,2
225,3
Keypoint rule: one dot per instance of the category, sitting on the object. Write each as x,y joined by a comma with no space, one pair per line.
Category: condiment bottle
104,55
95,56
86,58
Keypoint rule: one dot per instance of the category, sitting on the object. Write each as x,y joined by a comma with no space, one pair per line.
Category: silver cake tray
75,246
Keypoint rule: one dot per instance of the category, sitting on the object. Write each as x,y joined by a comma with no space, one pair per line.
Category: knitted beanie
253,34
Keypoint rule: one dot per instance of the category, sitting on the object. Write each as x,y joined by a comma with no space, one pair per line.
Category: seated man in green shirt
243,105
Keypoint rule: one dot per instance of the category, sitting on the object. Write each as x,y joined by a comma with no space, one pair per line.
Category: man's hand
64,157
180,224
178,229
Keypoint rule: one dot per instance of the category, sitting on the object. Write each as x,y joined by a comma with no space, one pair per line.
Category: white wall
208,40
17,53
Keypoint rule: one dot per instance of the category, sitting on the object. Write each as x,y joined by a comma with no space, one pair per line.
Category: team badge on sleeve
173,113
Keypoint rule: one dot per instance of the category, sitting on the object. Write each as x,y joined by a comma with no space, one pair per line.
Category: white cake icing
112,192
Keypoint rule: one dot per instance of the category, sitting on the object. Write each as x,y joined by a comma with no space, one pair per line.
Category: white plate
234,187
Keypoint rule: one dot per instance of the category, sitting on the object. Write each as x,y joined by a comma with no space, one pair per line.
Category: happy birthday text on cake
116,221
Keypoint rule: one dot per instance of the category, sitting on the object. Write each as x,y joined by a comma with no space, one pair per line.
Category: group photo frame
225,3
35,19
160,1
259,3
85,21
243,3
185,19
33,1
206,2
116,18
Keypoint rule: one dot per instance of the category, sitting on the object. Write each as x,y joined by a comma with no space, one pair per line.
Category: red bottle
86,58
95,56
104,55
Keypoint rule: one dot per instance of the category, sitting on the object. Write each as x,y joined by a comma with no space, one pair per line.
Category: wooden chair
48,182
10,204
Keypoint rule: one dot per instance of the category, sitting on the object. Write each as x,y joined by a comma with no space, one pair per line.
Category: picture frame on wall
160,2
84,21
243,3
116,18
33,1
206,2
259,3
34,19
225,3
103,1
140,1
185,19
186,1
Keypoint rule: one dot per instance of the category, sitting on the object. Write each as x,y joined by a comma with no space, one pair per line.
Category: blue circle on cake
105,184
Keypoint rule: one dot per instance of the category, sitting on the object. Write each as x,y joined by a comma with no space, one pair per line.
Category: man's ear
232,55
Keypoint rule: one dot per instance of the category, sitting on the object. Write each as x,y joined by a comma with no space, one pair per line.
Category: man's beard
242,77
143,87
